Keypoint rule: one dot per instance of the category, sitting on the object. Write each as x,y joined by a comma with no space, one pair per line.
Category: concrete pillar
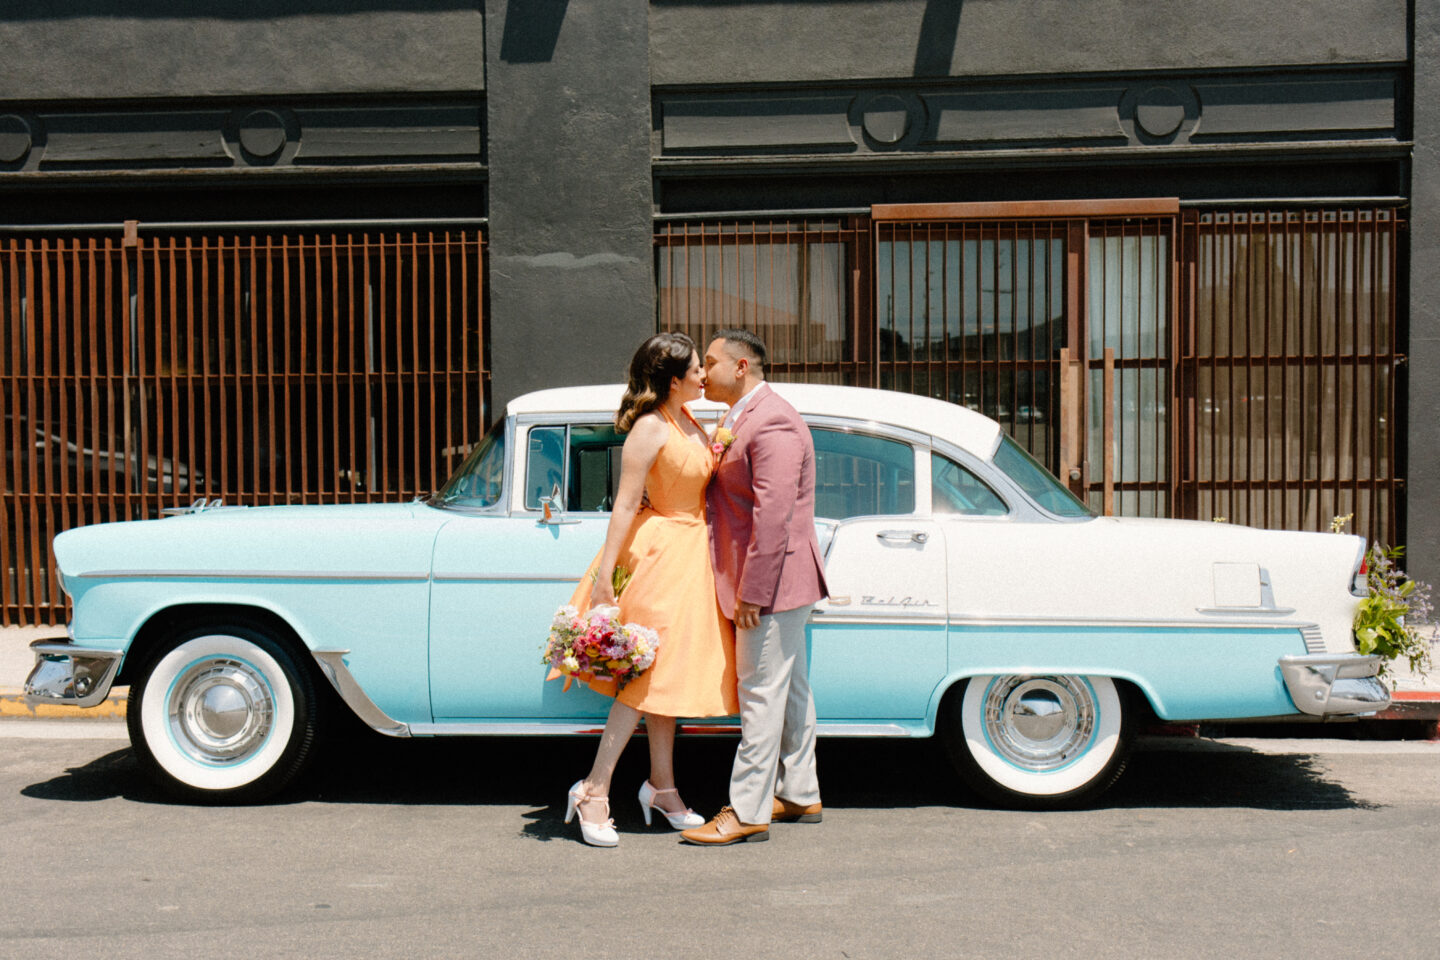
1422,527
571,262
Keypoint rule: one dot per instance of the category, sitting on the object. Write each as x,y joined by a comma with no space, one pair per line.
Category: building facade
306,251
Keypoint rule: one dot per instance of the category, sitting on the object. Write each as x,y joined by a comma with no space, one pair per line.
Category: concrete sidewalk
1414,698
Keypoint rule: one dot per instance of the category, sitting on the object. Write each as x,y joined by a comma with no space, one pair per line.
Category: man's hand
747,615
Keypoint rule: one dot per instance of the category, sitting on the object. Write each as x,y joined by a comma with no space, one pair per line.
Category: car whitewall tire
1040,741
222,715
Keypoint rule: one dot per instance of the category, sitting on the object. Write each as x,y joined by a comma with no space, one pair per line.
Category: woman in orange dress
657,532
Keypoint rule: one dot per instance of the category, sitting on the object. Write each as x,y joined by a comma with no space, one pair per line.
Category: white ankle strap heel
680,821
597,833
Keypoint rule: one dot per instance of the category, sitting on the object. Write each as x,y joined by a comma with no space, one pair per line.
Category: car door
878,643
498,579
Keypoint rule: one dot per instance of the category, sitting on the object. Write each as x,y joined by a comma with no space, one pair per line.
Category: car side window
594,467
954,489
544,464
859,475
582,458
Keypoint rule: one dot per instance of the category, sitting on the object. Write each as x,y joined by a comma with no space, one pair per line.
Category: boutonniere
724,436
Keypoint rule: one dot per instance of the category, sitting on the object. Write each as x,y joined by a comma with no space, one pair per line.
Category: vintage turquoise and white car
973,597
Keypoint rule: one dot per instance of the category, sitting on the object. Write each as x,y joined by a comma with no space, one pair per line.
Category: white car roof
973,432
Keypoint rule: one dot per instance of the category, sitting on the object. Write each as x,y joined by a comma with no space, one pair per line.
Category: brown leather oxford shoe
786,812
726,828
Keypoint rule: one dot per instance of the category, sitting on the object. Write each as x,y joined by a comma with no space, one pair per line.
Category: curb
1421,705
13,705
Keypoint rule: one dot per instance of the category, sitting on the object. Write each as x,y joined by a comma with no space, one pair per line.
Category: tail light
1359,582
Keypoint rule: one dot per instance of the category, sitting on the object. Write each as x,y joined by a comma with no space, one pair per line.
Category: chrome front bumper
1330,684
65,673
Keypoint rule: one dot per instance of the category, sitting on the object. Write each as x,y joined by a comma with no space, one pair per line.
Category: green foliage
1381,625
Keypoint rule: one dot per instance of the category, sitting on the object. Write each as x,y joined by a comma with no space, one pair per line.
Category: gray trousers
776,756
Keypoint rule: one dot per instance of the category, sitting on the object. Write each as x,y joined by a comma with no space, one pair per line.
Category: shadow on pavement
873,774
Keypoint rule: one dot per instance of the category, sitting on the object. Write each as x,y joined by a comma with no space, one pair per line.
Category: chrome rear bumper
1330,684
65,673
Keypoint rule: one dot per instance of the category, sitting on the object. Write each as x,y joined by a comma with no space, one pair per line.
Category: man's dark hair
746,340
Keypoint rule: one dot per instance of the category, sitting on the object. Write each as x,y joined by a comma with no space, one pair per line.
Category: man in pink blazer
768,574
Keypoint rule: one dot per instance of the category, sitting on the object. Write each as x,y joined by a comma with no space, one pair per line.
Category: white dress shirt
734,414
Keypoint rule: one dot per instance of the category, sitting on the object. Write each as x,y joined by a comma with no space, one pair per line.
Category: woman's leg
618,728
661,731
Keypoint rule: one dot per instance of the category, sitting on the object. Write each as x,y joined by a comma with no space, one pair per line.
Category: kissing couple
718,534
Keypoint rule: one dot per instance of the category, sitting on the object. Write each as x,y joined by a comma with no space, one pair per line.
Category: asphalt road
456,849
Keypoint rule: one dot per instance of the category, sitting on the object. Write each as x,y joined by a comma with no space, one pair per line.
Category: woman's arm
638,455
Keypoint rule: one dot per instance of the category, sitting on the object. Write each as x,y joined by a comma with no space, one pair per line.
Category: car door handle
902,536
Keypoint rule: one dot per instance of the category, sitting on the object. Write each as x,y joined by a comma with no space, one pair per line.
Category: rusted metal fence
142,373
1166,362
1289,359
802,285
974,312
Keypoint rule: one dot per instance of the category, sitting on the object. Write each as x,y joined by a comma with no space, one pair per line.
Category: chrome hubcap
221,711
1039,723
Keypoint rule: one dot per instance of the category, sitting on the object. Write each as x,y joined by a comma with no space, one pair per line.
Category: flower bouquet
598,645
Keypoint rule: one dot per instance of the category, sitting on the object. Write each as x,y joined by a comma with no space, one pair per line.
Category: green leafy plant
1385,621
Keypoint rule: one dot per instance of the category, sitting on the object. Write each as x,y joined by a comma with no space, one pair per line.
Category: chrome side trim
507,728
860,730
519,728
961,620
67,674
1235,611
1325,685
349,575
507,577
332,664
859,619
1314,638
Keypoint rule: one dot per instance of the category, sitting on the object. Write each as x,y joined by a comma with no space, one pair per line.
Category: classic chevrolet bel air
972,596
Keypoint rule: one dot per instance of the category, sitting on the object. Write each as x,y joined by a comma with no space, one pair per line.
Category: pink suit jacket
761,508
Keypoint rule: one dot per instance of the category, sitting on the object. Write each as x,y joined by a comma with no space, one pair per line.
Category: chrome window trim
918,442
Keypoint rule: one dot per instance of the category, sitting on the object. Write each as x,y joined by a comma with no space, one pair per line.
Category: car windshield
478,481
1039,483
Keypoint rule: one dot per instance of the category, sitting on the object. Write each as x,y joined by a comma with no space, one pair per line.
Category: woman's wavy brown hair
659,360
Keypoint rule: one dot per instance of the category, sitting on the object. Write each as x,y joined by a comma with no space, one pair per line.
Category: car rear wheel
223,714
1039,741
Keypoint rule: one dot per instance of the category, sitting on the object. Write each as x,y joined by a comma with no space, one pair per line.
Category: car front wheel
1039,741
222,714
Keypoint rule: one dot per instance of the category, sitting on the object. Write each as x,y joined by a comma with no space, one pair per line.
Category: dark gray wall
571,288
67,49
729,41
1422,531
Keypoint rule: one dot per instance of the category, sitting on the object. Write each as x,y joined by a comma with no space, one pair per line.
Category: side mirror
554,508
